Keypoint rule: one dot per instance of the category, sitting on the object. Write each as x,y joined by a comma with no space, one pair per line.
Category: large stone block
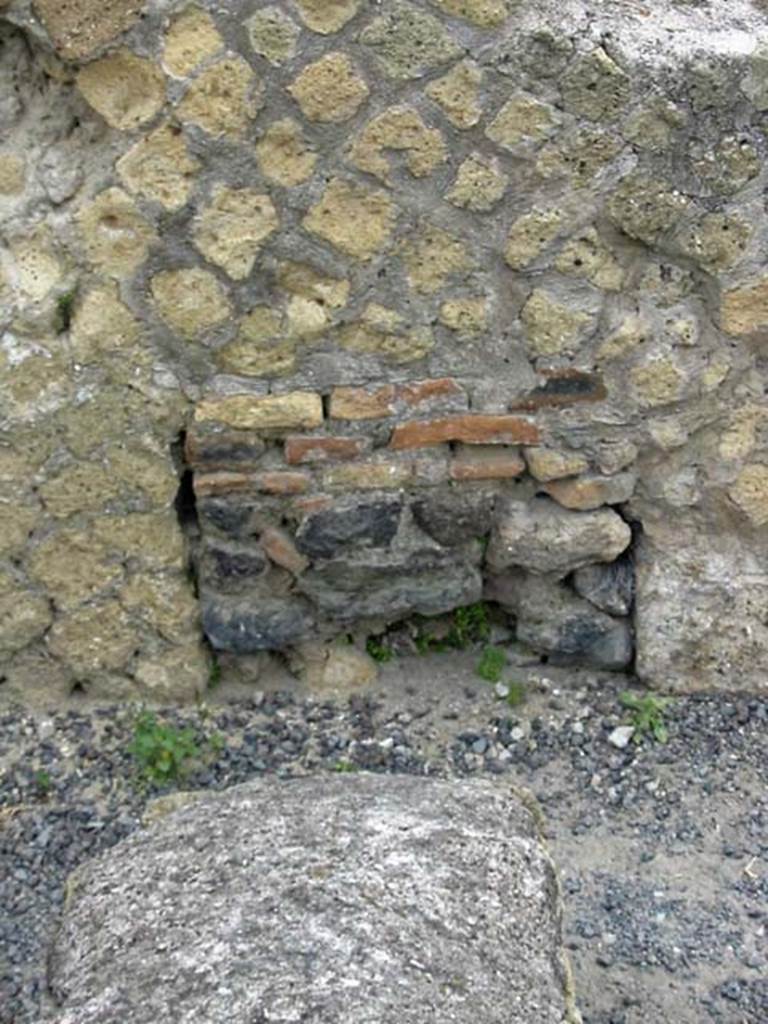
391,586
252,624
701,610
79,27
366,899
542,537
347,524
551,619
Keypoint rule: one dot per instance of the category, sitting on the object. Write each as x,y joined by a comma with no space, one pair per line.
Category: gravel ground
663,849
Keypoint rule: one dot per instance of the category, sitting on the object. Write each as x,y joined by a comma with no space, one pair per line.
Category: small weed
163,752
647,715
43,782
214,679
515,694
343,767
491,664
423,643
65,305
470,626
216,742
377,650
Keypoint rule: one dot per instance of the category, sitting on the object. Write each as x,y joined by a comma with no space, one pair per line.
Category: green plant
515,694
214,679
470,625
647,715
491,664
216,742
377,650
483,543
163,752
43,782
343,767
65,305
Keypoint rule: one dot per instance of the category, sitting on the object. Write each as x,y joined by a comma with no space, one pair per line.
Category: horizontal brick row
348,403
470,429
467,463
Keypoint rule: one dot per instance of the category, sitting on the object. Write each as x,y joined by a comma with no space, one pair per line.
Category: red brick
471,429
323,449
278,482
281,550
208,484
282,483
359,404
308,506
419,391
491,463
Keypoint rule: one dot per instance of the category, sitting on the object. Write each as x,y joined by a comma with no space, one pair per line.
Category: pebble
620,737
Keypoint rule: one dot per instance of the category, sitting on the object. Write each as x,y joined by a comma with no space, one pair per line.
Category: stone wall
315,314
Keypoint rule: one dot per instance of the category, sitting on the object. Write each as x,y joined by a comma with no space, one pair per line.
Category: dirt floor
662,848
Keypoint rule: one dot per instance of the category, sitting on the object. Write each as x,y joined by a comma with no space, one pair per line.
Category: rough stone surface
222,99
125,89
549,464
553,621
611,588
273,35
399,129
327,16
458,93
407,42
357,220
191,301
235,625
294,410
330,90
159,167
78,29
701,608
185,889
284,155
388,585
233,227
330,531
593,491
190,40
542,537
336,669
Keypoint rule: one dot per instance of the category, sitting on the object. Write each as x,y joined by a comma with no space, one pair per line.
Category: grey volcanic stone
224,515
387,584
231,567
608,587
371,523
552,620
541,536
256,623
455,518
330,900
